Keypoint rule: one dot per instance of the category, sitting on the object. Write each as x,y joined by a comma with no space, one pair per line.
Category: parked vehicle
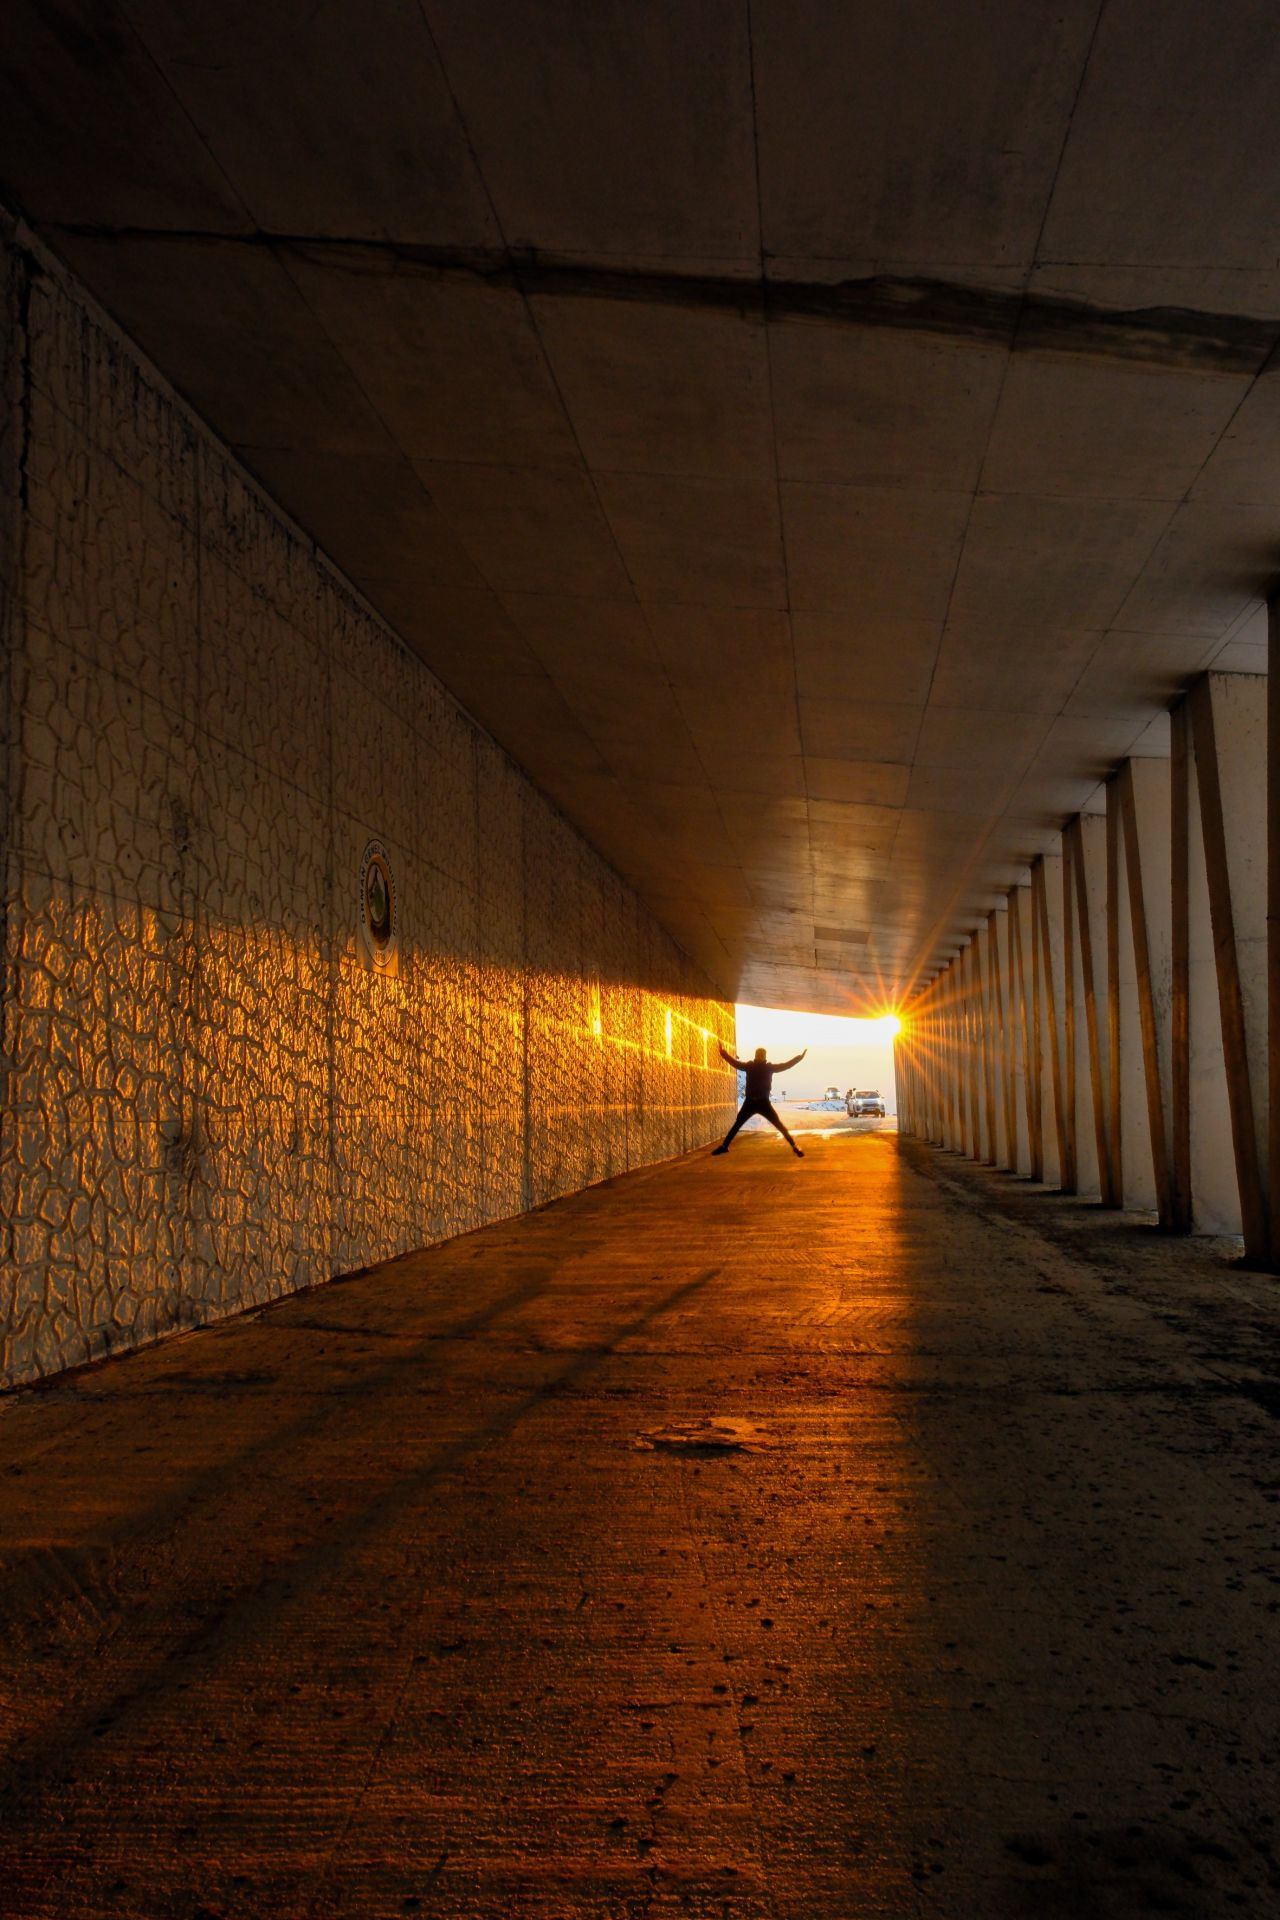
864,1103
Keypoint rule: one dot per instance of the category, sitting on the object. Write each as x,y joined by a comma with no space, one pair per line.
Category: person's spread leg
745,1112
769,1113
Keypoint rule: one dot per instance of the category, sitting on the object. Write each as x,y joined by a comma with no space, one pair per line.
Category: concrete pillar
1228,715
972,1123
960,1023
939,1055
1008,1042
1026,1035
1077,1070
1046,894
910,1044
938,1058
962,1054
1180,994
995,1020
946,1019
1128,1111
944,1057
922,1054
982,957
1009,1039
956,1060
1273,930
1143,789
1018,1035
1085,841
1070,1125
1202,1112
977,1002
960,1028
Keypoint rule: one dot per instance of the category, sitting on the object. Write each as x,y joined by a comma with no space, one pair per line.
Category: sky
842,1052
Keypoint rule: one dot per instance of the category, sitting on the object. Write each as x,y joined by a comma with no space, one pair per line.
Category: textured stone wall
209,1100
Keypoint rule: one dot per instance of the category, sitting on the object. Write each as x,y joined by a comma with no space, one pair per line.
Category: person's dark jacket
760,1073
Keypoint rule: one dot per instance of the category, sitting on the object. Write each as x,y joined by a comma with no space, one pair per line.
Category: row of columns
1112,1026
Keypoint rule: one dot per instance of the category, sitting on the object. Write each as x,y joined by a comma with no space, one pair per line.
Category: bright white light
775,1029
841,1051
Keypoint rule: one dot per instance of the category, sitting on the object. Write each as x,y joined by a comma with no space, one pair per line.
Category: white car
864,1104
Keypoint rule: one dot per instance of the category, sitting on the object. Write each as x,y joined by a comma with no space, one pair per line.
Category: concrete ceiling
817,441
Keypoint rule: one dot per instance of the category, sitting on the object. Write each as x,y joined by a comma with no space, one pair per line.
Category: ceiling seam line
777,472
589,475
1184,500
187,115
995,412
1066,138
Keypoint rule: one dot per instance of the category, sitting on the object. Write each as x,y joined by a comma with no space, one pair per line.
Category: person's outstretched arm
782,1065
741,1065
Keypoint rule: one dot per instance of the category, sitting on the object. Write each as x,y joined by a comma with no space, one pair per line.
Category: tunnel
532,537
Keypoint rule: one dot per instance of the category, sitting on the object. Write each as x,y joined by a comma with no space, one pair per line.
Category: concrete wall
209,1099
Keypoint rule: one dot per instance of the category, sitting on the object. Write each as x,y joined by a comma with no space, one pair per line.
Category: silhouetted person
760,1072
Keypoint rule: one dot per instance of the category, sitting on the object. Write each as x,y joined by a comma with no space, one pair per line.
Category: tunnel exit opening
846,1080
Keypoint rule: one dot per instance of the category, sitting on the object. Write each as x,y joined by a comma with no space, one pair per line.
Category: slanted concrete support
906,1084
973,1055
1273,931
1008,1049
1180,969
1202,1114
982,958
926,1046
995,1011
1030,1159
1142,792
1076,1074
1070,1178
906,1087
1009,1038
1118,989
971,1146
981,1149
962,1055
942,1062
1046,896
1128,1116
1228,715
931,1049
1015,1103
954,1106
1085,844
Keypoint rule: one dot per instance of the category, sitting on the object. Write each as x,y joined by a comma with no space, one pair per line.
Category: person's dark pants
765,1109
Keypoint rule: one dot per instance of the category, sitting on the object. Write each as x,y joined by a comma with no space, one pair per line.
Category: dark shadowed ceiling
816,440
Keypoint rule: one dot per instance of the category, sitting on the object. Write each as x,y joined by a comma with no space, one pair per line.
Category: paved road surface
788,1541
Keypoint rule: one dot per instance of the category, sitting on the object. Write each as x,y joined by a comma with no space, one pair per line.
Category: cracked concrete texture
383,1600
208,1100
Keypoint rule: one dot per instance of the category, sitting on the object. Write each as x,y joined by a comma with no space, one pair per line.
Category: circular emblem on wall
377,923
